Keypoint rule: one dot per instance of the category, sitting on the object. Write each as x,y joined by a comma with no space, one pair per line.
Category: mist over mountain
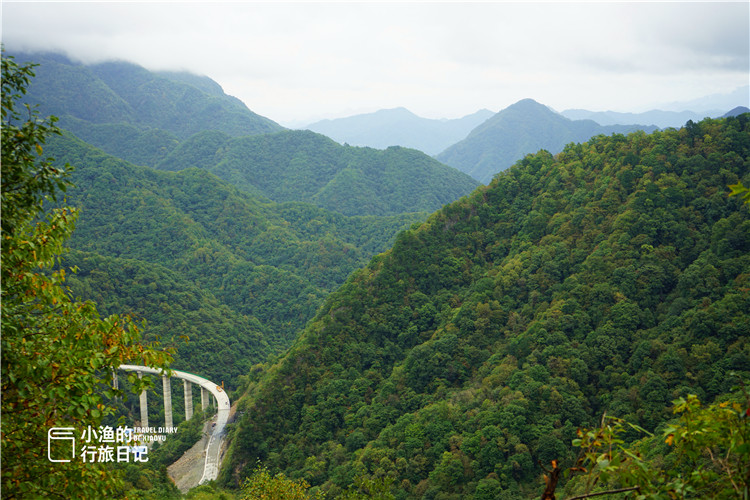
173,120
710,105
674,114
136,114
520,129
661,119
399,127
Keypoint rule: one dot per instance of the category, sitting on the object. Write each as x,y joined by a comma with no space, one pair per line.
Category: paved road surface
213,448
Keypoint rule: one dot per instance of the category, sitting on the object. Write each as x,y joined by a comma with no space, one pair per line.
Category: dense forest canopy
236,274
611,277
118,92
305,166
173,121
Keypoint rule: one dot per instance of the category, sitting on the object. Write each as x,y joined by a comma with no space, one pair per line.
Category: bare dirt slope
188,470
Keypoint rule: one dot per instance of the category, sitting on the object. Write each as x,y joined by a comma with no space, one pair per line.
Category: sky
296,62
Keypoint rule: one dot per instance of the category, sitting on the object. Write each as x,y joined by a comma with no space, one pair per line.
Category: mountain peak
528,104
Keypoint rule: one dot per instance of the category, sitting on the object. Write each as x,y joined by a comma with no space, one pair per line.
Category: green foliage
304,166
261,485
705,457
210,492
611,277
236,275
124,93
369,488
741,191
58,354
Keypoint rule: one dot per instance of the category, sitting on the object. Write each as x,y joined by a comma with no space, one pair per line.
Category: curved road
213,448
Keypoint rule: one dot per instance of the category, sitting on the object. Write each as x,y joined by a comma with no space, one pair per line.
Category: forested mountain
399,127
611,277
522,128
194,256
136,114
309,167
173,121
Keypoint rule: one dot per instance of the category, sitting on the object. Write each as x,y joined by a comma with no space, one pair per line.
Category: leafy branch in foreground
706,455
58,355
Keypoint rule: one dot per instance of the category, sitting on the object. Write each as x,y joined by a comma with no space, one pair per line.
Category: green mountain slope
194,255
520,129
101,103
309,167
173,121
209,336
611,277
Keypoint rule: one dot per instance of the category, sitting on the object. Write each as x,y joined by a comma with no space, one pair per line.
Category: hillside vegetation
612,277
87,97
308,167
173,121
194,256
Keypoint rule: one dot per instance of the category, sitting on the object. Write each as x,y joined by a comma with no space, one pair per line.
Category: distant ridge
522,128
674,114
134,113
659,118
736,111
304,166
399,127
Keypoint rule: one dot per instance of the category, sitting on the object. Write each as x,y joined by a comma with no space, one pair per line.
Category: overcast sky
295,62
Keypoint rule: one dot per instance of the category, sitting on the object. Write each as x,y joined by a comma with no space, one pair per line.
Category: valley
399,323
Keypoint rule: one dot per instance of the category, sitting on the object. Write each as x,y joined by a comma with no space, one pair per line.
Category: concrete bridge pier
188,399
144,405
205,399
167,385
212,392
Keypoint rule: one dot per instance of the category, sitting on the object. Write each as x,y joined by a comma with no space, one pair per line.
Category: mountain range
520,129
661,119
370,344
173,121
238,264
193,255
399,127
498,140
610,278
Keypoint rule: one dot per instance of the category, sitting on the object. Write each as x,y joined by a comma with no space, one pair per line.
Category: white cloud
295,60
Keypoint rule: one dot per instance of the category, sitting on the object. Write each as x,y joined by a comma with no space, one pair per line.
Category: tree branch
608,492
